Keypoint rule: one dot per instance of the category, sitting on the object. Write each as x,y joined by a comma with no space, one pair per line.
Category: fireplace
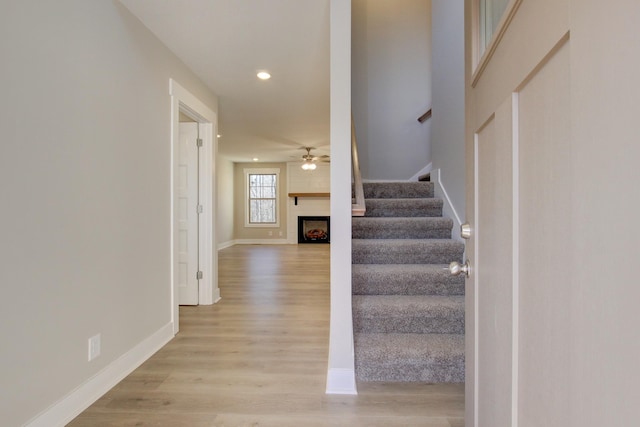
313,229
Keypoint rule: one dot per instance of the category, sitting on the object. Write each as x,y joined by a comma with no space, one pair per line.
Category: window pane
269,192
262,198
491,12
263,211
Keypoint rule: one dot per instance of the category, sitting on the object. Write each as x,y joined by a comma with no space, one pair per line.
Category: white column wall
341,375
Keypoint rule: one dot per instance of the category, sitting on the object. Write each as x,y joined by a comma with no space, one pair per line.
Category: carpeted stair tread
408,311
433,358
401,228
423,207
397,190
405,279
409,314
406,251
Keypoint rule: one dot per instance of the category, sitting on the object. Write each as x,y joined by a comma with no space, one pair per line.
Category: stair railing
358,207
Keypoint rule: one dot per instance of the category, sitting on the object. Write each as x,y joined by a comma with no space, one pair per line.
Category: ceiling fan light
308,166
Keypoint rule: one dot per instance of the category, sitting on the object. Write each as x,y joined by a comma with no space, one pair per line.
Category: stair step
418,314
406,251
405,279
397,190
409,357
401,228
422,207
408,311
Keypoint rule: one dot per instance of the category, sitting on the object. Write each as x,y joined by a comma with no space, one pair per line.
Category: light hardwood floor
259,358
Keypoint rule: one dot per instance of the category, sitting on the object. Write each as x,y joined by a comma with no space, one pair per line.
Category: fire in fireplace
313,229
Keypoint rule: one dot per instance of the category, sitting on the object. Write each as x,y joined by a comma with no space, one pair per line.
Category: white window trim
261,171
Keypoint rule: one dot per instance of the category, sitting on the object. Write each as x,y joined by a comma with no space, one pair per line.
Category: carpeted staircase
408,311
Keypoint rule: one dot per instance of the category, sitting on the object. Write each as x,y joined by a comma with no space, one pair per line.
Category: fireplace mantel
296,195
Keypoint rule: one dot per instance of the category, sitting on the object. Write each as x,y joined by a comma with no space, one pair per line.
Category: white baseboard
225,245
69,407
341,381
216,295
447,209
262,242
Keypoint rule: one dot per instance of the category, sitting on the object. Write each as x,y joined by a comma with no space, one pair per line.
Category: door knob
465,230
455,268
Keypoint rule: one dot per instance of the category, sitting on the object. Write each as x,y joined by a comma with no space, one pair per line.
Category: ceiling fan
309,160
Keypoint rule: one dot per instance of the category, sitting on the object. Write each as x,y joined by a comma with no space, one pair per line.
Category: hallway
259,358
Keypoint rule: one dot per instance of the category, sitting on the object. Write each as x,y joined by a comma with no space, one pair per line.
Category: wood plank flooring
259,358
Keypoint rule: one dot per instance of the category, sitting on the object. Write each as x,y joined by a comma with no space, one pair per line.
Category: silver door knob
465,230
455,268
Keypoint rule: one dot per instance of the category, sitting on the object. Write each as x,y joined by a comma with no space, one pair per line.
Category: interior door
188,244
518,149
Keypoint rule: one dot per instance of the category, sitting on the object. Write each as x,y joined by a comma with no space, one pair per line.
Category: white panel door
518,139
552,325
493,257
187,194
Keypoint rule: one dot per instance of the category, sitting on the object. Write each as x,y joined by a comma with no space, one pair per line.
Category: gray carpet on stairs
432,358
408,312
406,251
405,279
401,228
404,207
397,190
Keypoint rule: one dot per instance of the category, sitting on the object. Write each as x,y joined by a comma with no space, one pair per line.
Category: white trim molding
261,242
226,245
261,171
425,170
183,101
70,406
447,208
230,243
341,381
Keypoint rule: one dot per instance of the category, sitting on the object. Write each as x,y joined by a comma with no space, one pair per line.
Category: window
262,197
491,12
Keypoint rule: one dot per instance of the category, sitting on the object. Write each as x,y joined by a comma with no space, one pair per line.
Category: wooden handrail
423,118
358,208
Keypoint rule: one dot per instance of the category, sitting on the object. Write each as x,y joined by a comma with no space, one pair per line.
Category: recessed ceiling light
218,135
255,159
263,75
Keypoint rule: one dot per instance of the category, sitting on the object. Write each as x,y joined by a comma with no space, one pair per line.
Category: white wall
391,79
85,190
447,146
225,213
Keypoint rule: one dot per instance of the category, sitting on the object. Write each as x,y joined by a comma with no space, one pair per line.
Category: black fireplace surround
313,229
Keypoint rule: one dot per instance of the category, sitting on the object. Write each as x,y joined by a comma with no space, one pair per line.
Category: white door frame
183,101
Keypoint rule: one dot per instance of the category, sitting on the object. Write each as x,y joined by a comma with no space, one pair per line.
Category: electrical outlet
280,234
94,347
270,233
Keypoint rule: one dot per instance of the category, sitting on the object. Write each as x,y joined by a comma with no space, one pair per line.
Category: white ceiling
226,42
